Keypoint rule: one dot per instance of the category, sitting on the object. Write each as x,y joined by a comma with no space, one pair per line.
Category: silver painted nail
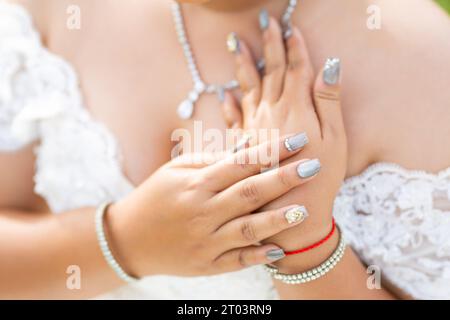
332,71
233,43
264,19
275,254
221,94
296,142
261,65
287,33
308,169
296,215
287,30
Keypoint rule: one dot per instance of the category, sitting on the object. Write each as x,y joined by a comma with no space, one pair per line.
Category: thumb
327,97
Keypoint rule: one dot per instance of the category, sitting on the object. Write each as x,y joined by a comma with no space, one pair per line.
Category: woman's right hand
189,219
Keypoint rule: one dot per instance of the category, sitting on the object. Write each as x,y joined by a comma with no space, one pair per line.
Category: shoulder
402,84
414,50
417,30
409,53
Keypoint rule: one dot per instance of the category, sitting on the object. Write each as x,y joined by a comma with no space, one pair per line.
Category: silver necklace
186,108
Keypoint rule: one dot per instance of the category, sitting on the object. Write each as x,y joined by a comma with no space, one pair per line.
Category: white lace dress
394,218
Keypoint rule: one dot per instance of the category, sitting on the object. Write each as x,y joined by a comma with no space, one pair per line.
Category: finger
231,111
327,98
251,229
299,73
251,161
275,59
247,75
252,193
242,144
238,259
195,160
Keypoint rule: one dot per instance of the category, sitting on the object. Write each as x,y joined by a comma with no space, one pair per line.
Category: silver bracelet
104,247
314,273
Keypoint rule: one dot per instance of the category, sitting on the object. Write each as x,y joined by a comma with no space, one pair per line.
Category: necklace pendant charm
186,109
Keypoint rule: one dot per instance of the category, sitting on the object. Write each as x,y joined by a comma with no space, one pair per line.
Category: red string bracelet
315,245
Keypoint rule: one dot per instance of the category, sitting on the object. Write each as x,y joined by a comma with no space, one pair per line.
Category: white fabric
394,218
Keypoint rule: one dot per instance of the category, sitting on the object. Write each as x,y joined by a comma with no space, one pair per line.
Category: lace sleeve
19,45
399,220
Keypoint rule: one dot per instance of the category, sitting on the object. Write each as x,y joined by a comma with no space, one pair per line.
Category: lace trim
390,214
399,220
393,167
42,99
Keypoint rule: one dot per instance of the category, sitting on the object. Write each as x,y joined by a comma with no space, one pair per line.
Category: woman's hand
290,98
189,218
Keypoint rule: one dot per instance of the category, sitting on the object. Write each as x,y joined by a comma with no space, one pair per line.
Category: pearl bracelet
314,273
104,247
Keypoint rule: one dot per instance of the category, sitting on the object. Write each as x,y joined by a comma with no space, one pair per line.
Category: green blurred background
445,4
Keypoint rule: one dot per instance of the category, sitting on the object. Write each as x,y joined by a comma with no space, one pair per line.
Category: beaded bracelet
314,273
112,262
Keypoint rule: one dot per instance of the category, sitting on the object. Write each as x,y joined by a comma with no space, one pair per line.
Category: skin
218,214
416,94
289,96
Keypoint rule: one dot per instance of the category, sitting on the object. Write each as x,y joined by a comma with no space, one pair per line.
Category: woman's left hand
290,98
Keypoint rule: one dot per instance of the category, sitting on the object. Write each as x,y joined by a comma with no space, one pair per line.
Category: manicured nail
287,30
233,43
296,215
221,94
275,254
296,142
263,19
308,169
288,33
331,71
261,65
242,143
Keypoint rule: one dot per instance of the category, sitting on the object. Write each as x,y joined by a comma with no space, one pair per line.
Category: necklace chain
186,108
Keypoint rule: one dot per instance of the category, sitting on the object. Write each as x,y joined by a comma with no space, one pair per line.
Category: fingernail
261,65
288,32
221,94
242,143
308,169
275,254
263,19
296,142
233,43
331,71
296,215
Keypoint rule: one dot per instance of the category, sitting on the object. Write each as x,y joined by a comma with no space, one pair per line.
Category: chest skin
133,76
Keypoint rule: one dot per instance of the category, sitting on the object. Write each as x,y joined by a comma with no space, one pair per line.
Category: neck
238,5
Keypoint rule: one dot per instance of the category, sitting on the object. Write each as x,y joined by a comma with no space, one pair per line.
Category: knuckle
250,192
248,231
332,96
